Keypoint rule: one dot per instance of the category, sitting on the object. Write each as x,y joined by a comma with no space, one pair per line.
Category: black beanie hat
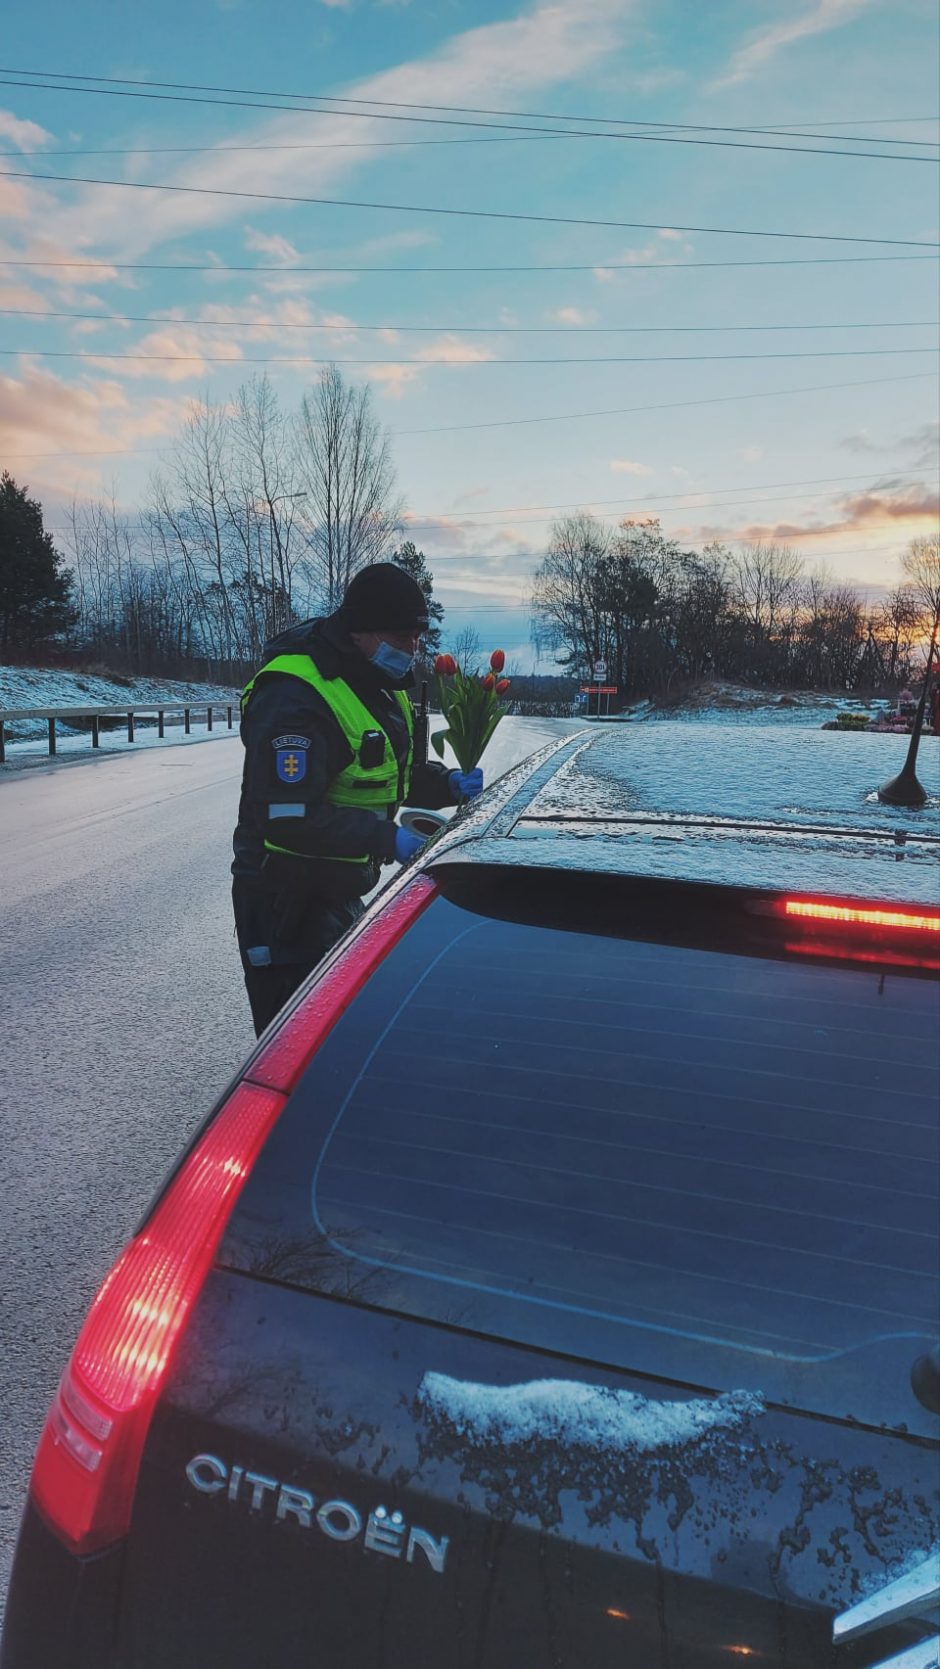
383,597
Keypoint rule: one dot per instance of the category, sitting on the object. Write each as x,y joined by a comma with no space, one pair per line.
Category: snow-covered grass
719,701
23,687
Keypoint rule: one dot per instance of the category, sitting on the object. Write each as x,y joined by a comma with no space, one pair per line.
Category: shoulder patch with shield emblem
290,764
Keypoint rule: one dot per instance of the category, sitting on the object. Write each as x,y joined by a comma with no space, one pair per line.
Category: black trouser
283,932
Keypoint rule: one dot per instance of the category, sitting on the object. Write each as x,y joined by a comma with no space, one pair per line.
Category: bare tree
767,585
894,631
270,496
921,564
345,462
567,606
465,647
192,504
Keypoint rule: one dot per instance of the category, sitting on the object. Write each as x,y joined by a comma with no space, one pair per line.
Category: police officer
328,729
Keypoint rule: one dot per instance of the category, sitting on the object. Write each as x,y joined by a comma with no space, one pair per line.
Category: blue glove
407,844
466,785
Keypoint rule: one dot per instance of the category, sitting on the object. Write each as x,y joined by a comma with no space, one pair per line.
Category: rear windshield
710,1166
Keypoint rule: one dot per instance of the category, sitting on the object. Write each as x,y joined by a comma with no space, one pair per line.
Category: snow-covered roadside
24,687
717,701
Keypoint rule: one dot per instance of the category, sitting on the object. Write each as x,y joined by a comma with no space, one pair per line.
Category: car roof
749,806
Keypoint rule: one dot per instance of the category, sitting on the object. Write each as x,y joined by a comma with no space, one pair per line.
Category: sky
673,358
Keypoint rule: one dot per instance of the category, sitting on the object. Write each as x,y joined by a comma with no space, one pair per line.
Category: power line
459,213
323,145
555,417
105,354
591,266
466,330
649,498
430,518
665,405
855,121
662,503
471,557
377,110
514,128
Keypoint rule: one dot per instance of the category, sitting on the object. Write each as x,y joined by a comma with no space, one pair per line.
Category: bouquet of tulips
470,702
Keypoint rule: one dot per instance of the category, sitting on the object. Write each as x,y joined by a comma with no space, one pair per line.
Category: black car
556,1287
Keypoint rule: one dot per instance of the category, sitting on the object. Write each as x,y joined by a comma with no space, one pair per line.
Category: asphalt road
123,1015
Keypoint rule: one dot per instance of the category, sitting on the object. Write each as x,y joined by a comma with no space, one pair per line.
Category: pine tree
35,587
414,563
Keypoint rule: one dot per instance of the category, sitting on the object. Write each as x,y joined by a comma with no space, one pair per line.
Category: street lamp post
281,498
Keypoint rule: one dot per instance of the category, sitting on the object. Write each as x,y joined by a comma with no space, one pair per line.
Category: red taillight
281,1062
86,1467
906,936
919,921
89,1453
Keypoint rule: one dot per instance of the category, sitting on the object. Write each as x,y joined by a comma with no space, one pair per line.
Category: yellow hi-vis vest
380,788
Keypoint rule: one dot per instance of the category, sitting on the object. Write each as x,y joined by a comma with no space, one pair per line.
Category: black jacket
283,706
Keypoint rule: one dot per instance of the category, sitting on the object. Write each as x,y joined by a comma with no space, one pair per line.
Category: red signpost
605,690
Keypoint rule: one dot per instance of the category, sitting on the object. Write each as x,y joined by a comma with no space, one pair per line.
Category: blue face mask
393,661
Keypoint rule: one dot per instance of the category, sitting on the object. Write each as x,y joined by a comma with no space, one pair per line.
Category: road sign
600,671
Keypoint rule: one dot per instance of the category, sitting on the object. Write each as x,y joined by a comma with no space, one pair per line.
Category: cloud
447,350
750,454
292,280
891,503
861,441
457,536
388,242
649,253
547,44
39,413
469,495
28,136
764,45
572,316
272,244
20,295
627,466
15,200
912,509
171,355
67,284
450,348
922,442
394,379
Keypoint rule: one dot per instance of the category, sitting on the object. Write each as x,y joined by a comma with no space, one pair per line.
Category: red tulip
502,686
489,682
497,660
445,666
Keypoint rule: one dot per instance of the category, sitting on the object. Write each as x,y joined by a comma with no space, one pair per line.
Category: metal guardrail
9,715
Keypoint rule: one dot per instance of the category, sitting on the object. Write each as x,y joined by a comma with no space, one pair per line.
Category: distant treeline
660,615
260,517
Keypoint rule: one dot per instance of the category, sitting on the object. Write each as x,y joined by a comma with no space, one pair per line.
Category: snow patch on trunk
567,1412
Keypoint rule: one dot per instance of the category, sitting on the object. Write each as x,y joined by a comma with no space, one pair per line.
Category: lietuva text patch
291,742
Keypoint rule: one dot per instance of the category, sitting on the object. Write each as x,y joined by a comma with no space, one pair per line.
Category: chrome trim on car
910,1595
915,1594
